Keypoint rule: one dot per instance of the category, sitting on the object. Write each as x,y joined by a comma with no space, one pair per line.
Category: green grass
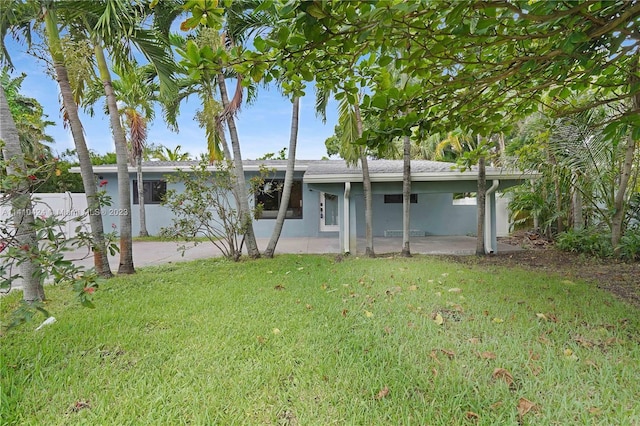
304,340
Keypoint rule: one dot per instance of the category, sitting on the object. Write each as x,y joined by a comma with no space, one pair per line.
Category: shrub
630,244
592,241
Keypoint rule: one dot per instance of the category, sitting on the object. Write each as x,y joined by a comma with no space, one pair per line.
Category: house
327,198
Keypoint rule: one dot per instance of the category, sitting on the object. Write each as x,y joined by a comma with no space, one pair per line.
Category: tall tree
136,95
21,205
288,181
71,115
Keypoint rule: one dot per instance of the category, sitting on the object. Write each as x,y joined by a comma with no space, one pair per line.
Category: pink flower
113,225
3,245
103,182
89,290
32,177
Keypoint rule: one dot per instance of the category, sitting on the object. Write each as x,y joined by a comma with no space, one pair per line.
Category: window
154,191
397,198
270,195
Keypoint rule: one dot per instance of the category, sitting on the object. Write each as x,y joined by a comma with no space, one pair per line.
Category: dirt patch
620,278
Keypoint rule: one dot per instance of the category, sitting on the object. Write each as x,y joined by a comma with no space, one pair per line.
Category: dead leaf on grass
535,369
412,288
487,355
309,307
525,406
80,405
438,319
383,393
393,291
501,373
455,290
595,411
496,405
497,320
449,354
474,340
344,312
368,314
470,415
279,287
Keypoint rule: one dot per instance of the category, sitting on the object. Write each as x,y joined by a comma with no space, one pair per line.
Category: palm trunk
627,166
482,201
366,187
558,191
241,189
406,196
578,210
21,206
122,158
143,214
100,258
288,181
223,139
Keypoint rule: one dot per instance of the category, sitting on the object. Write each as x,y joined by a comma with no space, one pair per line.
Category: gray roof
391,170
327,171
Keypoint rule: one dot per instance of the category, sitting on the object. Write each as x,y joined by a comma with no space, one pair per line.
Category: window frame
397,198
149,199
292,212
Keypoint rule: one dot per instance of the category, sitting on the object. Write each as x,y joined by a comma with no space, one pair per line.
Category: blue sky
263,126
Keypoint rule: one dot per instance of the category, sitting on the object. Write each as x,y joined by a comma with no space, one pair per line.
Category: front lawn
310,341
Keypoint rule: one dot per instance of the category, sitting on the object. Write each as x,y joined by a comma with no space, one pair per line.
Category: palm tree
29,119
163,153
107,25
350,122
288,181
472,152
136,97
21,205
17,17
101,260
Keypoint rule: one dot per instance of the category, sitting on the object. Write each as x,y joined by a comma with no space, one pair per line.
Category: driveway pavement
147,253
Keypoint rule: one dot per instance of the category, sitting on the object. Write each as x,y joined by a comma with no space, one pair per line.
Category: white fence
66,206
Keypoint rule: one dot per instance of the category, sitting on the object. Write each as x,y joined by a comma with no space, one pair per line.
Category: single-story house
327,198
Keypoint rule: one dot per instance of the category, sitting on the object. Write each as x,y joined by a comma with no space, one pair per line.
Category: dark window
154,191
270,196
397,198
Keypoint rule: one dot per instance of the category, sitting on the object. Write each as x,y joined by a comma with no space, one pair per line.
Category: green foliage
591,241
305,339
206,208
630,244
281,155
49,255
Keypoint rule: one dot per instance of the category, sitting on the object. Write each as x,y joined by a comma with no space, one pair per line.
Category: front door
328,212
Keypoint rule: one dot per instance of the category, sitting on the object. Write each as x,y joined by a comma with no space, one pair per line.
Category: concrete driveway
147,253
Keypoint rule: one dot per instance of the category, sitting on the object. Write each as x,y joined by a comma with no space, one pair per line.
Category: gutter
346,238
488,241
416,177
169,169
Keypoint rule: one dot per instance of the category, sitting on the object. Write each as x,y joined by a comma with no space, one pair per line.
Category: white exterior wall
66,206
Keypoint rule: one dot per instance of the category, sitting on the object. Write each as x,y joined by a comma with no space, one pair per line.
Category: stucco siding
434,214
158,216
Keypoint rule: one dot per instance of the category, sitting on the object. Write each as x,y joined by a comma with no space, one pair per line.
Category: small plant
206,207
591,241
630,244
46,254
